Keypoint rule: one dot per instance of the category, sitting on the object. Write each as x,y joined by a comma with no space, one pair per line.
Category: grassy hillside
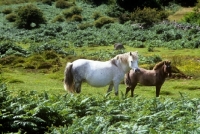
178,15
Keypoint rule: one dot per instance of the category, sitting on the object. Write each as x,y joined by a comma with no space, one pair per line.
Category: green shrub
114,11
50,55
72,11
96,15
62,4
124,18
11,17
192,17
76,17
148,16
150,48
7,10
84,26
47,47
102,21
7,60
58,18
8,48
29,14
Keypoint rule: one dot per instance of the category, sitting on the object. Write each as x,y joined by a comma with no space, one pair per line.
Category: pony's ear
130,53
169,62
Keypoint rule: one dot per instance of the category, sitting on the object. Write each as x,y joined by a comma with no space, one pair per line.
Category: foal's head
165,65
167,68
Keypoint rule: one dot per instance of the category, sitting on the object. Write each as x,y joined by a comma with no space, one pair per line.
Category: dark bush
28,15
48,2
102,21
130,5
62,4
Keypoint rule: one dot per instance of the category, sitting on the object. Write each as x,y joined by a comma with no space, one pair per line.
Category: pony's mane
113,61
158,65
124,57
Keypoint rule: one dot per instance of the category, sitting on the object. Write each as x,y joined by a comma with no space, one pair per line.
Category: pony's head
167,68
133,61
127,61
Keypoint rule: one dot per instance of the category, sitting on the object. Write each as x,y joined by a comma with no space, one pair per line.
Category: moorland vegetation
38,38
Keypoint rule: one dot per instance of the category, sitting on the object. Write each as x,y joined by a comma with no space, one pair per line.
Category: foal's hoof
78,91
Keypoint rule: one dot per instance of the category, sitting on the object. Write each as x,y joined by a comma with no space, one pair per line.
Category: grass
177,16
18,79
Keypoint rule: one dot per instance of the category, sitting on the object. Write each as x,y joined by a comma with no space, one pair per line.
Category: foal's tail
68,78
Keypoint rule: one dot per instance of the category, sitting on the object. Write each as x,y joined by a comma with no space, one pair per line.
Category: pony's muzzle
137,70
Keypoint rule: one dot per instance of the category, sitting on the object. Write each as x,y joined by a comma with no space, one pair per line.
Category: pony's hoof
116,93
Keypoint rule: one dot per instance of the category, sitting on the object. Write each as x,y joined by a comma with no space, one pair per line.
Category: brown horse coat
154,77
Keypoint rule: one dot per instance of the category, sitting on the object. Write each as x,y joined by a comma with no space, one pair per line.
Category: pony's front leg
110,88
116,89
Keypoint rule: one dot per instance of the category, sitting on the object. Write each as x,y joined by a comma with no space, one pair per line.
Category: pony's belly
99,80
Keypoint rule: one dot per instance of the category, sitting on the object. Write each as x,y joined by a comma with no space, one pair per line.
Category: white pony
98,73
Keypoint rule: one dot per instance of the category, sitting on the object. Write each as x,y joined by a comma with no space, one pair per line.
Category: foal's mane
158,65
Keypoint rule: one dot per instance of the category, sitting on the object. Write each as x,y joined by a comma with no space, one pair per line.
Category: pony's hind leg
110,88
78,87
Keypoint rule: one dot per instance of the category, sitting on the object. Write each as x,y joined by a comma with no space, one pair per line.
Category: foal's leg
128,89
132,89
158,90
110,88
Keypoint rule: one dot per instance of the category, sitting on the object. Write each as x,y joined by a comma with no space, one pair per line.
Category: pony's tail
68,78
127,79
